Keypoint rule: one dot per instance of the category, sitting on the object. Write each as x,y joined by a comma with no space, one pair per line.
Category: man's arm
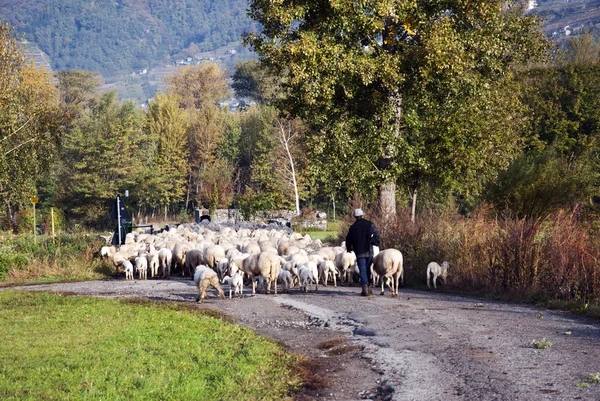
375,236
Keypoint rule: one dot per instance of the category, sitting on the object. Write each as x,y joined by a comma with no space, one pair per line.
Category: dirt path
419,346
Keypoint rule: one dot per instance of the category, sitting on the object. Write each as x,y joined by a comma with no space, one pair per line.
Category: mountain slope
115,36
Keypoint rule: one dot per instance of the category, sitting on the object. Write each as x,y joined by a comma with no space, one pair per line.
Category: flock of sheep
213,254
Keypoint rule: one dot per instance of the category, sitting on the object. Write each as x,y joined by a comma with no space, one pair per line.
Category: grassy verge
329,236
67,257
76,348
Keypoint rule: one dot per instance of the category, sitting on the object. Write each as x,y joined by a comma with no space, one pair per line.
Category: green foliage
166,126
114,37
251,203
541,344
595,378
255,81
561,161
538,183
103,155
10,260
29,123
148,351
66,255
417,90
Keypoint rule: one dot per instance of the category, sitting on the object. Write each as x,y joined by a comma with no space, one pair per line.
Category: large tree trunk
387,199
387,190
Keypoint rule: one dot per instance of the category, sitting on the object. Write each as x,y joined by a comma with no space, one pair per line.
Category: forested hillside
112,37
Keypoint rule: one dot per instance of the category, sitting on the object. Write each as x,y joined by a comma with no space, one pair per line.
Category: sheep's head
445,266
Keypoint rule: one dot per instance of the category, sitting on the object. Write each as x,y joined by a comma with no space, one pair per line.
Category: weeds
595,378
68,256
541,344
540,260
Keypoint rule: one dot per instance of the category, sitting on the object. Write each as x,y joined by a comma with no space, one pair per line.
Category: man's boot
365,291
370,290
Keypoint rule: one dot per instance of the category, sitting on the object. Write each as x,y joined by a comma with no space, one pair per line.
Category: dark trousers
363,266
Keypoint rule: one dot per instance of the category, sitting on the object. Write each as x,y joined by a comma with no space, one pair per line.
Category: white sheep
345,262
312,266
286,280
236,283
204,277
165,257
128,267
388,264
437,271
141,264
153,262
212,255
327,269
222,267
107,251
266,264
307,277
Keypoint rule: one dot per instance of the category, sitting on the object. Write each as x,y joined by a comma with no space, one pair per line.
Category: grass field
333,228
54,347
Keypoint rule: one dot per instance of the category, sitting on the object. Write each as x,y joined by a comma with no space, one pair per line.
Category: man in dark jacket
361,238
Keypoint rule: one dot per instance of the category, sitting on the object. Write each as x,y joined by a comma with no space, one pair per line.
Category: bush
23,257
535,259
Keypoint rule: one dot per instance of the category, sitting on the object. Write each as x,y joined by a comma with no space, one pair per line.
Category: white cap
358,212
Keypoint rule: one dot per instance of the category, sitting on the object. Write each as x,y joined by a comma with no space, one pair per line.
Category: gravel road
419,346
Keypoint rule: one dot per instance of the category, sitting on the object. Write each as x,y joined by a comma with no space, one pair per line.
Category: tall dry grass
556,258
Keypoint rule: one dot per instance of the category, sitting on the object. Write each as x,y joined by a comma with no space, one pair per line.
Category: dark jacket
362,235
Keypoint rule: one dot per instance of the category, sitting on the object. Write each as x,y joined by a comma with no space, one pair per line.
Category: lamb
312,266
153,261
307,277
204,277
286,280
388,264
165,257
326,267
345,263
141,264
179,253
128,267
107,251
235,283
437,271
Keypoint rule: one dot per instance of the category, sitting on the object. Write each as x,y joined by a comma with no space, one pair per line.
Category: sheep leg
203,287
434,281
215,283
268,291
334,280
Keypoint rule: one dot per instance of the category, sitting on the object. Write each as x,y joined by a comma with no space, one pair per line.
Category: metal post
119,218
334,208
52,214
34,230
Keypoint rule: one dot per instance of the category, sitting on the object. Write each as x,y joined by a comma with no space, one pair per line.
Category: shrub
548,259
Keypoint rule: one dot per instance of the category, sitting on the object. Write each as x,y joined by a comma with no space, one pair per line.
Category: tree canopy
387,68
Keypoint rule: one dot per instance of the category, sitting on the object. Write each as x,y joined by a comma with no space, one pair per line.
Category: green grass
76,348
331,234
